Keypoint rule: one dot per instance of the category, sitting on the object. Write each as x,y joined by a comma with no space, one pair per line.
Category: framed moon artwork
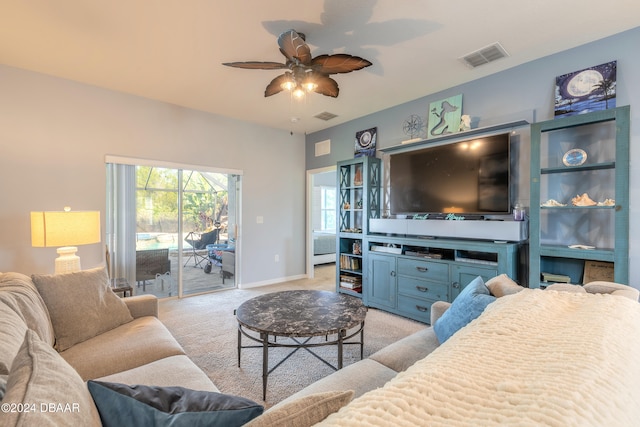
365,144
591,89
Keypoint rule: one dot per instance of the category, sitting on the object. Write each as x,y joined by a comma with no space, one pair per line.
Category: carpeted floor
207,329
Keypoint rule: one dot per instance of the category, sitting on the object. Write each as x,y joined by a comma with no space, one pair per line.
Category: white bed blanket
534,358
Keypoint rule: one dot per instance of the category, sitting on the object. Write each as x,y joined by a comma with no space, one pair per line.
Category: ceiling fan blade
326,86
338,63
292,45
256,65
275,86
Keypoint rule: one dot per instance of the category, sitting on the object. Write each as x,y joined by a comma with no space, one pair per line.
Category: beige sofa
37,315
386,387
139,350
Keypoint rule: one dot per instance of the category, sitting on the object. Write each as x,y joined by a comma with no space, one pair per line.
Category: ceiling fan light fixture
309,85
298,92
289,82
306,73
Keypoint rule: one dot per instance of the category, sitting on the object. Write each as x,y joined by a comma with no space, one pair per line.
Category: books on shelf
423,254
476,257
350,263
557,278
353,283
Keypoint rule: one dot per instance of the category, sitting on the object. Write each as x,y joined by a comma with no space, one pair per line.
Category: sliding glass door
209,231
157,230
172,231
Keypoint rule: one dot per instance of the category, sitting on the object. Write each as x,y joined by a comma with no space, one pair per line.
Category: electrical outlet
259,220
277,258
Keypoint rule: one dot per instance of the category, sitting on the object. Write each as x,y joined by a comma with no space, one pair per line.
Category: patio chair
199,242
150,263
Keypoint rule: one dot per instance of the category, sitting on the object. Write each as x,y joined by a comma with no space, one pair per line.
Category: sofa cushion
12,330
132,344
18,292
81,305
468,305
603,287
141,405
407,351
39,376
3,385
170,371
305,411
566,287
360,377
21,308
502,285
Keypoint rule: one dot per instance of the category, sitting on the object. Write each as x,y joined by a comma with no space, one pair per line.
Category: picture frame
365,142
586,90
444,116
598,270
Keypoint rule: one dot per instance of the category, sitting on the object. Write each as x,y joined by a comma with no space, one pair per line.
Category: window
328,208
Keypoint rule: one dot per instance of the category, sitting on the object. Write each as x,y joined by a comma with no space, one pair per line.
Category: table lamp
65,230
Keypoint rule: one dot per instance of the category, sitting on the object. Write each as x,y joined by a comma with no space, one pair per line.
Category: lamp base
67,261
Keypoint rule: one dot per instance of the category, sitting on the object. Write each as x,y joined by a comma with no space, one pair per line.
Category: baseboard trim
271,282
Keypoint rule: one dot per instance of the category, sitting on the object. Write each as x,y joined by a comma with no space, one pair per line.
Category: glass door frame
180,168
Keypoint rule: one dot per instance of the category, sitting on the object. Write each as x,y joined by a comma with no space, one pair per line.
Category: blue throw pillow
471,302
139,405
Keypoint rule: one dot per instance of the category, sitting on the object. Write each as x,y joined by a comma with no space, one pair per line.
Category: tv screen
466,177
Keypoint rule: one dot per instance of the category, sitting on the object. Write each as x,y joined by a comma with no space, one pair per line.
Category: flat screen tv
466,177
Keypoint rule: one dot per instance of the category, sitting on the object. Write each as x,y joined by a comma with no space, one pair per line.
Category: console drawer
415,308
423,269
423,289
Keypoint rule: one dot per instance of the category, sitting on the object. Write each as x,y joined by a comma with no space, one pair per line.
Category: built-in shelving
358,203
603,231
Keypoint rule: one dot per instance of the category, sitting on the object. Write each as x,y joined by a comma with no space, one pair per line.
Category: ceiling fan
306,74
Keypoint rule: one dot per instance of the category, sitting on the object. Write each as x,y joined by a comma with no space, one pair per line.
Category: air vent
485,55
325,115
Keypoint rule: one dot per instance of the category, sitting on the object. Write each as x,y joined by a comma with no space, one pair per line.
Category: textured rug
206,328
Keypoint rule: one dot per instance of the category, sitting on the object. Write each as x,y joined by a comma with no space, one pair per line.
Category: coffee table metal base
265,343
300,315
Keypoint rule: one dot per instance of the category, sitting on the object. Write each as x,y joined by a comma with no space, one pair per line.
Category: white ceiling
172,50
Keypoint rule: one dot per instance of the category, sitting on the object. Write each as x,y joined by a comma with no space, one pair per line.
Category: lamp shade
54,229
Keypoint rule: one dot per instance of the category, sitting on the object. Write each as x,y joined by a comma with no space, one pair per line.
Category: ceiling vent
487,54
326,116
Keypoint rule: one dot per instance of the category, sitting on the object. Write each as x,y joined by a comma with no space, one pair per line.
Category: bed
324,247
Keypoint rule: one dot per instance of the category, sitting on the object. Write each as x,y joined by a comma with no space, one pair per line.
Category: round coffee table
300,314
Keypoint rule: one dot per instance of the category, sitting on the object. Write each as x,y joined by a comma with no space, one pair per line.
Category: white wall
55,133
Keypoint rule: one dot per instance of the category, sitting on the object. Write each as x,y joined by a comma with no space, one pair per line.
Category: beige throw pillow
81,305
305,411
44,390
502,285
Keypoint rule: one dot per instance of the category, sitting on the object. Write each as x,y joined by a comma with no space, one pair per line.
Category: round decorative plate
574,157
365,139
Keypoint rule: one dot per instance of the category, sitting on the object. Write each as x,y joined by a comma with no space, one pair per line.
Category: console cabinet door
382,284
462,275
